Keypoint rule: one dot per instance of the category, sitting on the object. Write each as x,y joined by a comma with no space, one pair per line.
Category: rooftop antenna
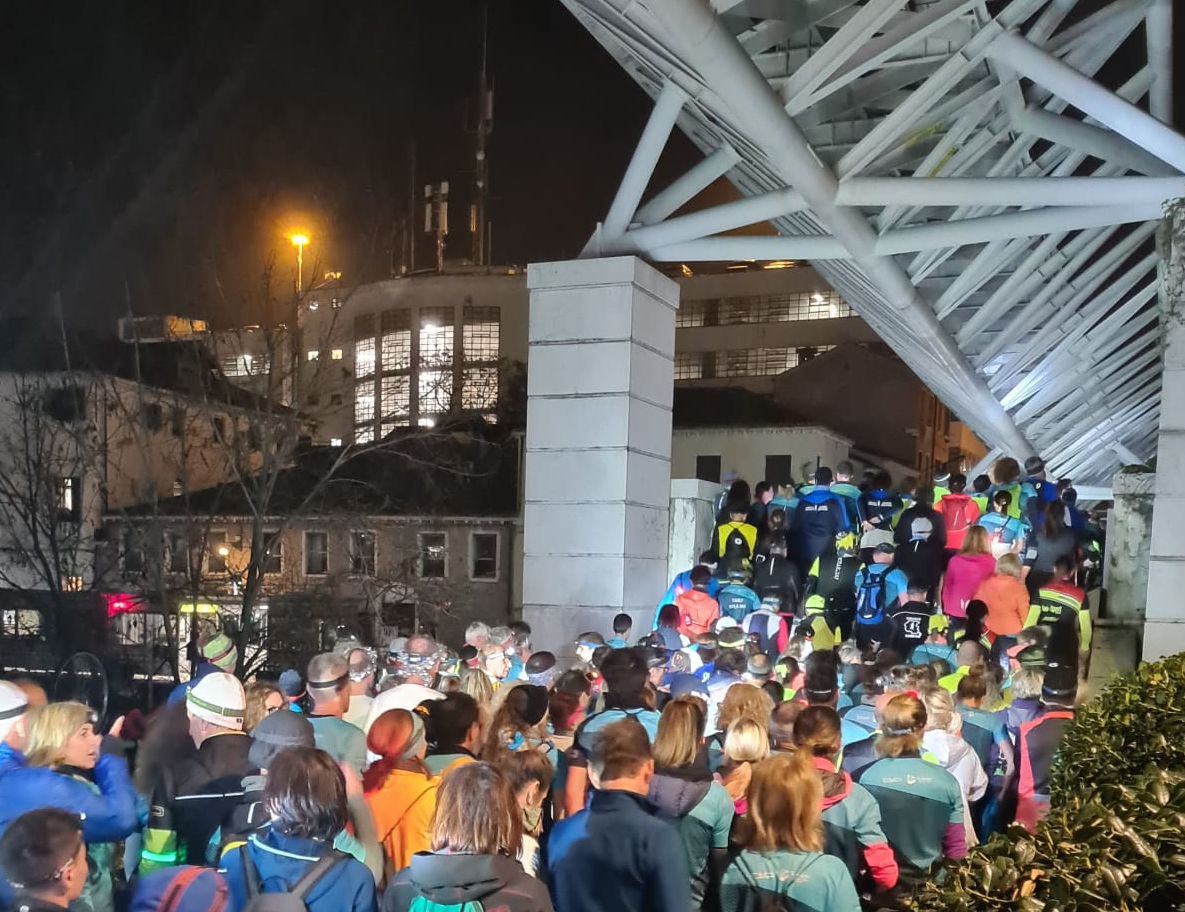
478,227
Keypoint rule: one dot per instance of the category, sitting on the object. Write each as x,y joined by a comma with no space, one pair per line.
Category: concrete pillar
693,521
1164,627
600,380
1129,543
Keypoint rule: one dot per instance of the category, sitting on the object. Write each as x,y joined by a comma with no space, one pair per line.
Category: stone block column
1164,623
600,381
693,522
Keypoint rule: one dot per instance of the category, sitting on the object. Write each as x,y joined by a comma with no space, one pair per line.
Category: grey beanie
275,732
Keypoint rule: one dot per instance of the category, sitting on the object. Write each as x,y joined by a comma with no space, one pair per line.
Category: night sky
157,155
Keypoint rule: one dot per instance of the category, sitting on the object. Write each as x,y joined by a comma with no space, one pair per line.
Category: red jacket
959,513
697,611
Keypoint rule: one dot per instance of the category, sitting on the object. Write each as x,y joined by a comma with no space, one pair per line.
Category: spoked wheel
83,680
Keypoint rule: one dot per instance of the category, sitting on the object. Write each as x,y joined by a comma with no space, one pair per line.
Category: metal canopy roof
952,168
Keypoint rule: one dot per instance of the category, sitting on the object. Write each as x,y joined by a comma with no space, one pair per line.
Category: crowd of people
852,684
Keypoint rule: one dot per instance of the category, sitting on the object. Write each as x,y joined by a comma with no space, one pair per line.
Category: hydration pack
870,598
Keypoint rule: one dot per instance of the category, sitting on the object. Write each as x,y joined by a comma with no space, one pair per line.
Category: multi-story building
407,351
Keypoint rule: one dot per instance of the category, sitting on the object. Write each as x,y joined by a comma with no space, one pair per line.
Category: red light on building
121,603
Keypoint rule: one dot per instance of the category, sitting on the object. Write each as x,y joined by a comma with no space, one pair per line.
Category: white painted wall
743,450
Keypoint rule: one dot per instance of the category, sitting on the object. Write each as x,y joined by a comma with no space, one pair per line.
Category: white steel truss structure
952,167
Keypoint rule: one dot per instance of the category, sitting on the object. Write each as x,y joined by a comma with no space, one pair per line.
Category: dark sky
157,155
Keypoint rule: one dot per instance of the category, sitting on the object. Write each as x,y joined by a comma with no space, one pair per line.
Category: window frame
497,577
366,572
305,552
278,556
420,554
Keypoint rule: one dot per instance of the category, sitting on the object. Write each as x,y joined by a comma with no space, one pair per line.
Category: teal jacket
794,881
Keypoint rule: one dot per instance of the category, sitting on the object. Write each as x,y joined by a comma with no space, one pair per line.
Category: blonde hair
785,799
1027,683
746,741
257,694
498,829
476,683
902,718
744,701
1008,565
680,732
940,711
976,541
52,727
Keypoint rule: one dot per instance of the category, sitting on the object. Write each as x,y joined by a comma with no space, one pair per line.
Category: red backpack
959,513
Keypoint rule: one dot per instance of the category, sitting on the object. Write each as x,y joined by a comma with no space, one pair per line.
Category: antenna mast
485,123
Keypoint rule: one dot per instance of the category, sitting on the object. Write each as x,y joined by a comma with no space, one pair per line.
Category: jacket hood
947,749
819,495
676,797
836,785
454,879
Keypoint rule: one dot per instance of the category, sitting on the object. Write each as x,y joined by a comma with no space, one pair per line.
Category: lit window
364,357
435,391
336,354
689,365
480,335
216,552
273,558
69,494
316,553
335,441
690,313
395,331
433,548
312,354
395,406
483,556
479,392
364,434
364,402
362,553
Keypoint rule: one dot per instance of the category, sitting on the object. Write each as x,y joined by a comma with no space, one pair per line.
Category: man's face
584,653
197,729
498,665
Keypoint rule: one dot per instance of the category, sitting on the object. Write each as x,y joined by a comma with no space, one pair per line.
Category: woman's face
82,747
272,702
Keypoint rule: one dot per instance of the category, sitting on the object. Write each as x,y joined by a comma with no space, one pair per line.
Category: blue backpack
870,598
423,904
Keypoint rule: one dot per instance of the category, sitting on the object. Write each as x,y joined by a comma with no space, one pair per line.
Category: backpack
423,904
736,551
290,900
870,598
765,627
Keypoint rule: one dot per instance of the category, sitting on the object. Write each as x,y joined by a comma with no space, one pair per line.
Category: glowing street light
299,241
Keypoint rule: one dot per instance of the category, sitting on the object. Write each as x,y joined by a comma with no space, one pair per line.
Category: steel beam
666,201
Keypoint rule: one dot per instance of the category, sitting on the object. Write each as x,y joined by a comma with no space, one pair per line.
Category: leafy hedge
1115,837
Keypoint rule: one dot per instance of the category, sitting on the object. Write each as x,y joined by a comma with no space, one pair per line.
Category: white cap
13,705
874,537
218,698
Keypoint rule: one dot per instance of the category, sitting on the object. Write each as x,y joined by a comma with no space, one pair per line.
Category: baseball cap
731,637
218,698
275,732
875,537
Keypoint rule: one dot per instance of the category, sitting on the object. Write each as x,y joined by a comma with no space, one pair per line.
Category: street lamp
298,241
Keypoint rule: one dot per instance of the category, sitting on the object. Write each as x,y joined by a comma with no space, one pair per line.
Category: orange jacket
402,809
1007,602
697,611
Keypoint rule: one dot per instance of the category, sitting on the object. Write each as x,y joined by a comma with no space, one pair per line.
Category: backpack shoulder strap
316,871
406,811
250,873
177,887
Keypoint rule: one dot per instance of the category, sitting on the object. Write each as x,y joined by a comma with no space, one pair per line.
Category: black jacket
192,798
495,881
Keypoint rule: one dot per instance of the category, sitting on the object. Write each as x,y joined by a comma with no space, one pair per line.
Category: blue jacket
177,694
282,860
820,516
618,855
737,601
107,816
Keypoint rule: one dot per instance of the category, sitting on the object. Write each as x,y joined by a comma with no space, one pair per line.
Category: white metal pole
1090,97
637,175
1008,191
684,188
706,222
735,249
1159,25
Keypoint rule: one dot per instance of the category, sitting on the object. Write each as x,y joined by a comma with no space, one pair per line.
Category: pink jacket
964,573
